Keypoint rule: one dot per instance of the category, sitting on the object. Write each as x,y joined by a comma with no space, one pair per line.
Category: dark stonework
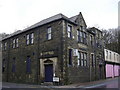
54,51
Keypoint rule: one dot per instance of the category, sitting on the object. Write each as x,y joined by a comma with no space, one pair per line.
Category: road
114,83
108,83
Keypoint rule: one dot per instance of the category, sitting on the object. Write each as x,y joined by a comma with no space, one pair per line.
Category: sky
19,14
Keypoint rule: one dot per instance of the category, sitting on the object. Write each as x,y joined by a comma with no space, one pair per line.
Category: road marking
95,86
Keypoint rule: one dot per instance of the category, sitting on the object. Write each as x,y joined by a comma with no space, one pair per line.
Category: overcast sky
19,14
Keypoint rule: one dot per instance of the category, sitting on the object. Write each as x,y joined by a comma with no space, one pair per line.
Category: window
110,55
85,59
79,59
69,31
28,65
32,38
106,54
82,59
13,65
17,42
84,38
114,57
81,37
117,58
28,39
78,35
14,43
93,61
70,56
1,45
5,45
49,35
81,27
3,65
91,39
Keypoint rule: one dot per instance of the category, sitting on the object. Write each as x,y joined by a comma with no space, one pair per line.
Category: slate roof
45,21
73,18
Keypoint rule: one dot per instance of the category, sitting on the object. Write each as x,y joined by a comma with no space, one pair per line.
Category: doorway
48,72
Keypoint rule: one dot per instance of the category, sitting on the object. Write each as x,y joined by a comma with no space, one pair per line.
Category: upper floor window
114,56
82,37
49,33
106,54
5,45
30,39
117,58
69,31
91,39
15,43
110,55
79,36
81,27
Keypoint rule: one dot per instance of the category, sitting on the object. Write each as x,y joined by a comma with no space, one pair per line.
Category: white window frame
49,33
78,62
82,59
13,43
32,38
85,59
5,47
28,39
17,40
106,54
69,31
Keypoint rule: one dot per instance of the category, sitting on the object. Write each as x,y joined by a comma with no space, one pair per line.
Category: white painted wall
111,56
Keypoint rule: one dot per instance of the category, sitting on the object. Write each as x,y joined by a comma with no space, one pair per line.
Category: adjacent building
112,63
57,49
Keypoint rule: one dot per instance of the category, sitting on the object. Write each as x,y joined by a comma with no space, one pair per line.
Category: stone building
54,49
96,57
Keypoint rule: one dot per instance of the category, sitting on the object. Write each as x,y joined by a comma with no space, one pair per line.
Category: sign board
55,79
75,52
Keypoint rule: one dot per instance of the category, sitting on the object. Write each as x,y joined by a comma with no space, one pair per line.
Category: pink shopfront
112,70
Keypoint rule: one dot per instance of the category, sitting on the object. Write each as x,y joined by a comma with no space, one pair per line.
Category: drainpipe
38,63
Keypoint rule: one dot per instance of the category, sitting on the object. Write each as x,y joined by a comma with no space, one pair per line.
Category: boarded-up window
70,56
28,65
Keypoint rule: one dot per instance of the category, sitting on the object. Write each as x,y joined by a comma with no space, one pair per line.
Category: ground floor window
13,65
82,58
28,65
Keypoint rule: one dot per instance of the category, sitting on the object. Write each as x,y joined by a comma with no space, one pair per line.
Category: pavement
106,83
96,84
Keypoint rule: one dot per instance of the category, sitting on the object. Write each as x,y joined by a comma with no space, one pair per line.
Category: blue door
49,73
